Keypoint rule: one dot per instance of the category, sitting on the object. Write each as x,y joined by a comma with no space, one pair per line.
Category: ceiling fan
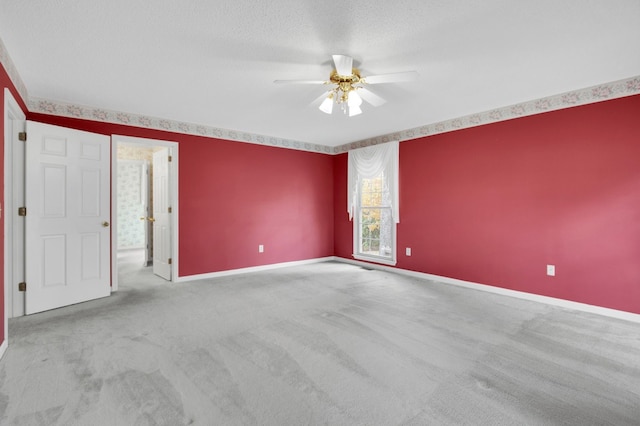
348,86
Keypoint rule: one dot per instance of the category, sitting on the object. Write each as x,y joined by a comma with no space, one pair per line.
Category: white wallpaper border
603,92
589,95
64,109
607,91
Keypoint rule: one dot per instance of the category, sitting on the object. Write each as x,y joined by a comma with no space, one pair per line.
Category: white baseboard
568,304
3,347
613,313
254,269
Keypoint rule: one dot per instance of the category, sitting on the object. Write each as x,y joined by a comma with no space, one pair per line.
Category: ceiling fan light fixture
354,99
327,104
345,81
354,110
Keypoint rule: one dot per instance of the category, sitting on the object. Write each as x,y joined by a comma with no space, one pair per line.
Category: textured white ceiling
214,62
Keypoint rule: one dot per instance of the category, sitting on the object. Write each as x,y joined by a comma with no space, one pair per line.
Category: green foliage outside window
370,223
373,197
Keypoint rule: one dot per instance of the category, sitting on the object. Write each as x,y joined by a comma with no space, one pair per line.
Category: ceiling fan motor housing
345,82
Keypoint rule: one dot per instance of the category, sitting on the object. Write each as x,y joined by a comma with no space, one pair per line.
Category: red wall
237,196
492,204
5,82
343,238
495,204
234,196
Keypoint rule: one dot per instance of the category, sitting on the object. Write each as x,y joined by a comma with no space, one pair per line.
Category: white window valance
369,162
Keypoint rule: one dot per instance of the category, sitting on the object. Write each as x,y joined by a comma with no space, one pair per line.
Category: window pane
373,192
376,231
386,234
370,229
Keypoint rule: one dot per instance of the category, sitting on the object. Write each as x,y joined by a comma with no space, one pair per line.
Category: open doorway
144,210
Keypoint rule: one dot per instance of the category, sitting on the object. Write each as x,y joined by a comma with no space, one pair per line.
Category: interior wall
132,201
496,204
343,238
5,82
250,195
492,204
235,196
126,152
132,198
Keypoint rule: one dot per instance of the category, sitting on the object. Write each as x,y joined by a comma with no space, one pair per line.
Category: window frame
357,233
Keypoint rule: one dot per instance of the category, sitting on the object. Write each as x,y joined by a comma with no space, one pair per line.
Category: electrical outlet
551,270
260,248
408,251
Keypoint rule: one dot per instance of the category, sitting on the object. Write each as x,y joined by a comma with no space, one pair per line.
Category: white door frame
173,196
12,114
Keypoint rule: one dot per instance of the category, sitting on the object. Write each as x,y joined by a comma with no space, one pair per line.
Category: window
373,202
375,222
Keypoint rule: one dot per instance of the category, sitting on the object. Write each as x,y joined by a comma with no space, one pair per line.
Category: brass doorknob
151,219
105,224
142,218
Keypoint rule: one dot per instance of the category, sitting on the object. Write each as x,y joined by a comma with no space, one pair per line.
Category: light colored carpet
321,344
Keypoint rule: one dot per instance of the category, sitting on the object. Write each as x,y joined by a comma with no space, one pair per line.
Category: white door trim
161,205
173,194
12,111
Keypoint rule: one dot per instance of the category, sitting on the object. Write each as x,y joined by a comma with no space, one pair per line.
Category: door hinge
22,286
22,211
22,136
169,209
170,158
169,261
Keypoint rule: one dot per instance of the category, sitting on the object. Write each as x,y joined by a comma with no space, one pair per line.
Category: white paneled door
68,235
161,212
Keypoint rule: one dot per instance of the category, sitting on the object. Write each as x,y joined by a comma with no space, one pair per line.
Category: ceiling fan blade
391,78
344,64
299,82
370,97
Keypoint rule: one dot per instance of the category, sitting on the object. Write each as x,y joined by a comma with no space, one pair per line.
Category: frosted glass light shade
327,105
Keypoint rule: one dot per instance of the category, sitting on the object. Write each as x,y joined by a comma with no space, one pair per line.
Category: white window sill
375,259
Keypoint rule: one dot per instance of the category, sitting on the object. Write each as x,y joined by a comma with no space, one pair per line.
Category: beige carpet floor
322,344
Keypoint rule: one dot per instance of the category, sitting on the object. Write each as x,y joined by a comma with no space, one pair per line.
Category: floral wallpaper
128,152
132,200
